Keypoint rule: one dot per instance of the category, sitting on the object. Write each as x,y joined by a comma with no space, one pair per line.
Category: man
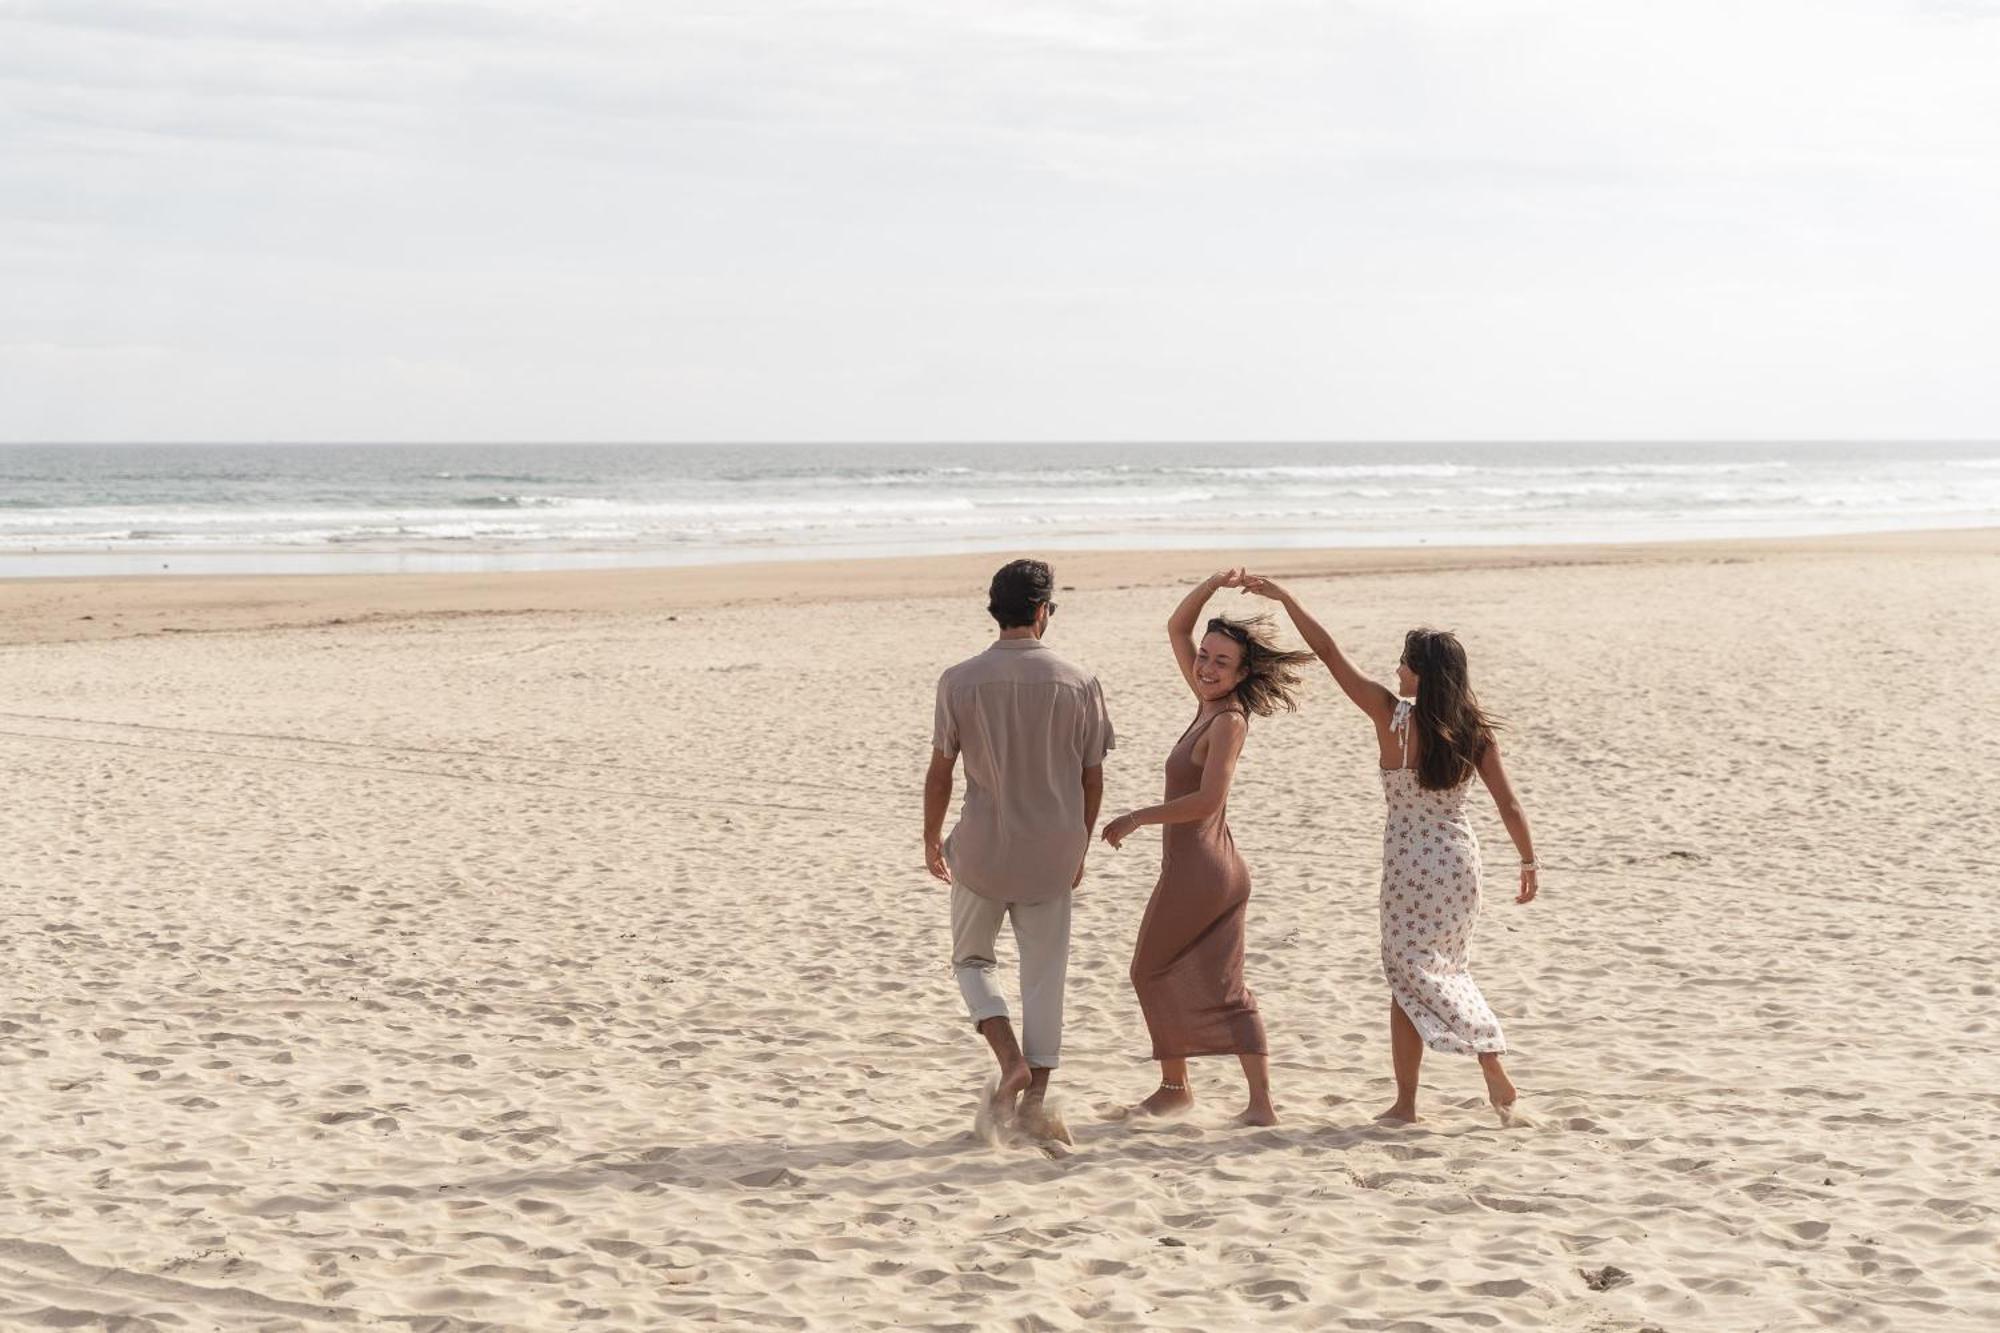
1033,732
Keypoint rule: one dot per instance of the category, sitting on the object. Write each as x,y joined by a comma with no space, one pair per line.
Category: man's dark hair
1018,589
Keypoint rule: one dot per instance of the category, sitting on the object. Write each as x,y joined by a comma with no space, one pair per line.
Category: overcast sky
931,219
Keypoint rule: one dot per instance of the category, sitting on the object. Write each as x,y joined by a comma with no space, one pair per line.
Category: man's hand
937,800
1079,873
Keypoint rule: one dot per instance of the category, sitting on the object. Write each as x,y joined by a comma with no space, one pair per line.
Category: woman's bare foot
1166,1100
1255,1114
1501,1092
1402,1113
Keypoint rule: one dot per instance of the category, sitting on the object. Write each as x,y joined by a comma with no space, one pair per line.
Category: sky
912,220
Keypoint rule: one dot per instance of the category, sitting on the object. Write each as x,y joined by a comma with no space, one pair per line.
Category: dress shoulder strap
1201,724
1399,722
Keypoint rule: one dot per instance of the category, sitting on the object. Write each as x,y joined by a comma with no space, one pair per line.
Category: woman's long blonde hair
1270,673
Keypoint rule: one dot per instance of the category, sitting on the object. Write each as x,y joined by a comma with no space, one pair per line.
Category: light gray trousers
1041,937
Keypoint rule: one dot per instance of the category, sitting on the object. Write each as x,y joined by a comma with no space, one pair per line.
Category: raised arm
1494,774
1180,625
1371,697
1225,745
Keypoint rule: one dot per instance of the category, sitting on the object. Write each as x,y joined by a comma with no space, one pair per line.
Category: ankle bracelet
1172,1087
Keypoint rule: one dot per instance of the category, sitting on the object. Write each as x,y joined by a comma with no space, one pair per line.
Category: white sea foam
1327,472
706,504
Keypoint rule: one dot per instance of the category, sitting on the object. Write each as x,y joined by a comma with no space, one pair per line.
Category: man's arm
937,801
1093,800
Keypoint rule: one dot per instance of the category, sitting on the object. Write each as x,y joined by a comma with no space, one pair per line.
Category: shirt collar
1016,645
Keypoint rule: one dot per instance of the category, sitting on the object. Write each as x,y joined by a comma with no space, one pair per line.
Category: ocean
126,509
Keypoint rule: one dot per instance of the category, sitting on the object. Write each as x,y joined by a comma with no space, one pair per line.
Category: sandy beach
554,951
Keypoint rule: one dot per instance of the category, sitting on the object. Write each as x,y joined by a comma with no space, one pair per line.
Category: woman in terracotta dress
1433,740
1188,966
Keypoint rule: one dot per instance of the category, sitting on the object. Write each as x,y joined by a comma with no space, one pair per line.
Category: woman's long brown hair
1271,674
1452,730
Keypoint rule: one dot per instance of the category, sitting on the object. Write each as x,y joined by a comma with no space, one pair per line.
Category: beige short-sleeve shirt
1027,723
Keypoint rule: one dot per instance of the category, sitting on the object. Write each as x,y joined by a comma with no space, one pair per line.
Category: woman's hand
1263,587
1228,578
1120,829
1528,885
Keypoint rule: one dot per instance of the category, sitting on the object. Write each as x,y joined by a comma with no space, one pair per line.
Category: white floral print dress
1430,899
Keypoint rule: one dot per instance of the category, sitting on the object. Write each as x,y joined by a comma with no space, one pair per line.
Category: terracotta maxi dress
1188,966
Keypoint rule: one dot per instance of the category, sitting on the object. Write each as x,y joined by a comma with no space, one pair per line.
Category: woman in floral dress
1432,741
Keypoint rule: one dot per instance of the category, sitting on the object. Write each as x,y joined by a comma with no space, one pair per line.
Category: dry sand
553,951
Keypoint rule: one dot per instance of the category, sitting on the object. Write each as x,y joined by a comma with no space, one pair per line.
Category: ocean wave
1577,491
1011,476
1127,475
896,476
1316,471
514,502
432,532
1643,469
1087,500
896,498
583,509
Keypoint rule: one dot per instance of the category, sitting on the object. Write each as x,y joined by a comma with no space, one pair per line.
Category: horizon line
987,443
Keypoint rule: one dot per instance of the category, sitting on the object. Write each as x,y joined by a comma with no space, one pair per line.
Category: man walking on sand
1033,732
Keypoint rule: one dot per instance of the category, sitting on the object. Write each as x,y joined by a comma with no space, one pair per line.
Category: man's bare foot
1257,1115
1013,1081
1400,1114
1166,1101
1039,1122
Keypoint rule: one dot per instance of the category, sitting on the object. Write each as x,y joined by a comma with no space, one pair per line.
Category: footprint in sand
1605,1278
771,1176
